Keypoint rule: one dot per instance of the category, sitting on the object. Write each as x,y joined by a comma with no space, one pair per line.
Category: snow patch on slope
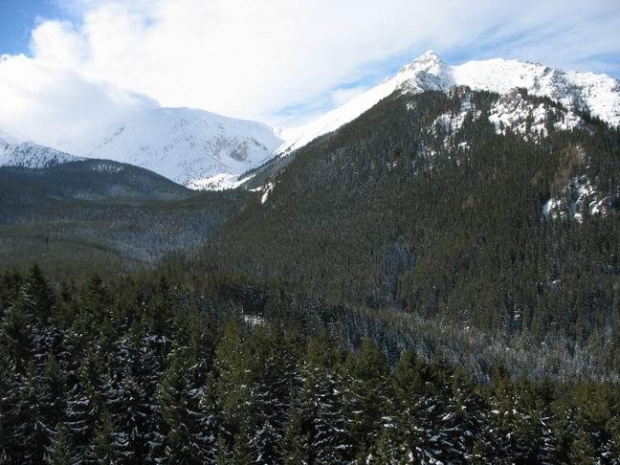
513,111
107,167
219,182
266,191
452,122
579,198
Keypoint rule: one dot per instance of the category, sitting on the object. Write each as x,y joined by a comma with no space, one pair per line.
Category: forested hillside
429,205
101,216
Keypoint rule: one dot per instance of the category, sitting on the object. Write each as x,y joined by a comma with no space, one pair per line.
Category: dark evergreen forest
394,212
147,372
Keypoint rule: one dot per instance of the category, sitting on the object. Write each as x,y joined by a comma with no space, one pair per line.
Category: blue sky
278,61
18,18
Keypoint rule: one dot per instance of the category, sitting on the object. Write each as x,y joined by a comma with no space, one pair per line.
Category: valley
101,216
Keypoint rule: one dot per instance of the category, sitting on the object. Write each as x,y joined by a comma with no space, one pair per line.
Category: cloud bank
278,61
54,105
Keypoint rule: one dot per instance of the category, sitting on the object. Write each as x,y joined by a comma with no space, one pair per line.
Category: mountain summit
597,94
427,72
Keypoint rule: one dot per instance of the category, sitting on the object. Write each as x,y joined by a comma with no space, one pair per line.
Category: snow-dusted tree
82,408
272,358
26,418
60,450
187,439
101,448
367,393
235,381
295,442
322,405
387,450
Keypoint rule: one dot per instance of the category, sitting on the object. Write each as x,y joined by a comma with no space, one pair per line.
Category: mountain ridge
189,146
598,94
24,154
203,150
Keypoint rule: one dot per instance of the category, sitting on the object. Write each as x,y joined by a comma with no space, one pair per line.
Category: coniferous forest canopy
403,295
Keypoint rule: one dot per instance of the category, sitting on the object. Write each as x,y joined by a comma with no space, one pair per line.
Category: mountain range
428,274
203,150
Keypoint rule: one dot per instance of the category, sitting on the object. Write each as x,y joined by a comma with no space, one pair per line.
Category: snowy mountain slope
425,73
22,154
513,111
599,94
192,147
80,176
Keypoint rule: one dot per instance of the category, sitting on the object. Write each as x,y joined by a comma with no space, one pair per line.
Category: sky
69,66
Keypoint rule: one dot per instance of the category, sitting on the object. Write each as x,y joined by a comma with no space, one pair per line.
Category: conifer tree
82,411
322,405
241,453
367,395
16,338
295,442
236,381
37,427
60,452
101,448
39,297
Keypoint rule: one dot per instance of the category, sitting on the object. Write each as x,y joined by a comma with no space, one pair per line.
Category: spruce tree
60,451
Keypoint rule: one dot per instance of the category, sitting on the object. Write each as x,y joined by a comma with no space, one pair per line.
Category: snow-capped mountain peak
190,146
427,72
597,93
428,62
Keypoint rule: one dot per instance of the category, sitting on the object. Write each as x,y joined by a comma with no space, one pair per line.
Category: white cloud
50,104
252,58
